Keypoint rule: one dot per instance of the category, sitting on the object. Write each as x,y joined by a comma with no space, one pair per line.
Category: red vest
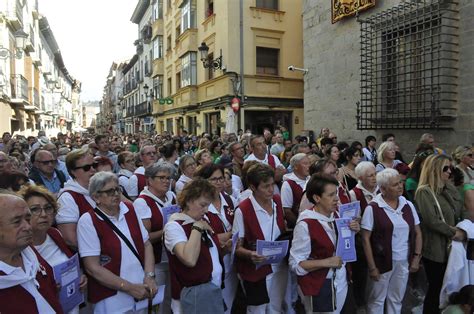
17,300
184,276
321,248
58,239
229,208
381,236
253,232
344,197
297,195
156,224
271,161
110,247
80,201
141,182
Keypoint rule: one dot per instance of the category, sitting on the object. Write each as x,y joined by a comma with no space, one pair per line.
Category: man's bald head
15,229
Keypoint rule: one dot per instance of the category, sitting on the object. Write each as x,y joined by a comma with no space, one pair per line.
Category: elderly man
137,181
428,138
26,280
237,152
60,165
44,171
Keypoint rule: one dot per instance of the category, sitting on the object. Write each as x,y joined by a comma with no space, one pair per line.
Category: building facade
36,90
183,94
402,67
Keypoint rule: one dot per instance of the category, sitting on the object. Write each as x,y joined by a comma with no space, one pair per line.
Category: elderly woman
260,217
439,204
312,255
187,167
149,206
114,246
386,156
194,252
74,199
392,243
47,240
462,156
221,217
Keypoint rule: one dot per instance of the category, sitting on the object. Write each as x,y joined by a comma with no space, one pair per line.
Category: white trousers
390,289
276,287
162,277
230,288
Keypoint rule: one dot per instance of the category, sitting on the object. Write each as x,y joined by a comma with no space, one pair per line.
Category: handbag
119,233
325,301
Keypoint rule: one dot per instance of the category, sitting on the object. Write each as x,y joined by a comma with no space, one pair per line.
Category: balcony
19,86
157,27
30,41
158,68
15,14
143,109
158,109
129,111
187,41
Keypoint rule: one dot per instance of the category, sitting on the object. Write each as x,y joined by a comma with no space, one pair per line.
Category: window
408,67
188,69
188,15
168,43
158,47
178,81
210,70
209,8
169,89
158,87
177,32
267,4
267,61
169,125
192,125
157,10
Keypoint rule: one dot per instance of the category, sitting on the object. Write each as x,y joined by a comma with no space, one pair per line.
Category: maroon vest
110,247
297,195
58,239
344,197
229,208
141,179
321,248
183,276
253,232
156,224
80,201
17,300
381,236
271,161
361,198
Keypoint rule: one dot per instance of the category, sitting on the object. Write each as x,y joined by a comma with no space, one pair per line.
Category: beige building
189,96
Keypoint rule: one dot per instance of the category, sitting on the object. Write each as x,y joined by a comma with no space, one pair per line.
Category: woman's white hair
384,176
362,168
99,180
382,148
296,159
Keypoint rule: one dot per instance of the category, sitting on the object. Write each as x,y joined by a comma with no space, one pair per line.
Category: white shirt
130,268
245,195
124,178
287,193
26,277
133,182
369,196
301,245
401,229
267,223
51,252
68,209
175,234
183,179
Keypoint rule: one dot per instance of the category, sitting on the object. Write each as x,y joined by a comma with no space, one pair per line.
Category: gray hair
384,176
142,149
362,168
162,166
99,180
382,148
296,159
296,147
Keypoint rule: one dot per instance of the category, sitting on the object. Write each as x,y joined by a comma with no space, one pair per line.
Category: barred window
409,67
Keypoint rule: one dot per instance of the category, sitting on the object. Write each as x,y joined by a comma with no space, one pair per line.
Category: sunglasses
112,191
88,167
446,168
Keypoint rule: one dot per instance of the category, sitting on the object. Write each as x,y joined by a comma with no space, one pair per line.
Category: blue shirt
61,166
53,185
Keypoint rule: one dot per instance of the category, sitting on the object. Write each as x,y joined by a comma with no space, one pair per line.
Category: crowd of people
185,212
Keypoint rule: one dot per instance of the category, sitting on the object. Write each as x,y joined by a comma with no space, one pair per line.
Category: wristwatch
198,229
150,274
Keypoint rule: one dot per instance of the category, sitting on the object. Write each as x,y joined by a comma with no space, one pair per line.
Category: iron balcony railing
143,109
19,86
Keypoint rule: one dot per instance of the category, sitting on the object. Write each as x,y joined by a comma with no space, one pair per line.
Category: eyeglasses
88,167
47,162
446,168
218,179
36,210
163,178
112,191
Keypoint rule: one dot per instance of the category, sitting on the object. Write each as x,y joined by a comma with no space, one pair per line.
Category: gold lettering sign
344,8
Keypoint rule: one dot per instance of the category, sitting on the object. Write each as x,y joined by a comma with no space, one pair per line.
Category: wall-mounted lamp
213,64
20,43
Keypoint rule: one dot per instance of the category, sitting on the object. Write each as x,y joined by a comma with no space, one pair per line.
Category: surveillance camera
291,68
224,68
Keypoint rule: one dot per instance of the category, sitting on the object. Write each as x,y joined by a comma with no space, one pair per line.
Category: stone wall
332,85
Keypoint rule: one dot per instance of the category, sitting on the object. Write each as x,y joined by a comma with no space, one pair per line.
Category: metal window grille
409,63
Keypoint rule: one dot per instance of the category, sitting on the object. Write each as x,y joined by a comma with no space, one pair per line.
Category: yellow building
198,99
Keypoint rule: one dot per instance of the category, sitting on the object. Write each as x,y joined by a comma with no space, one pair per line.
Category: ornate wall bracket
343,8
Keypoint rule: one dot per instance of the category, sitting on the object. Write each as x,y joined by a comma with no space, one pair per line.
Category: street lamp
214,64
20,43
